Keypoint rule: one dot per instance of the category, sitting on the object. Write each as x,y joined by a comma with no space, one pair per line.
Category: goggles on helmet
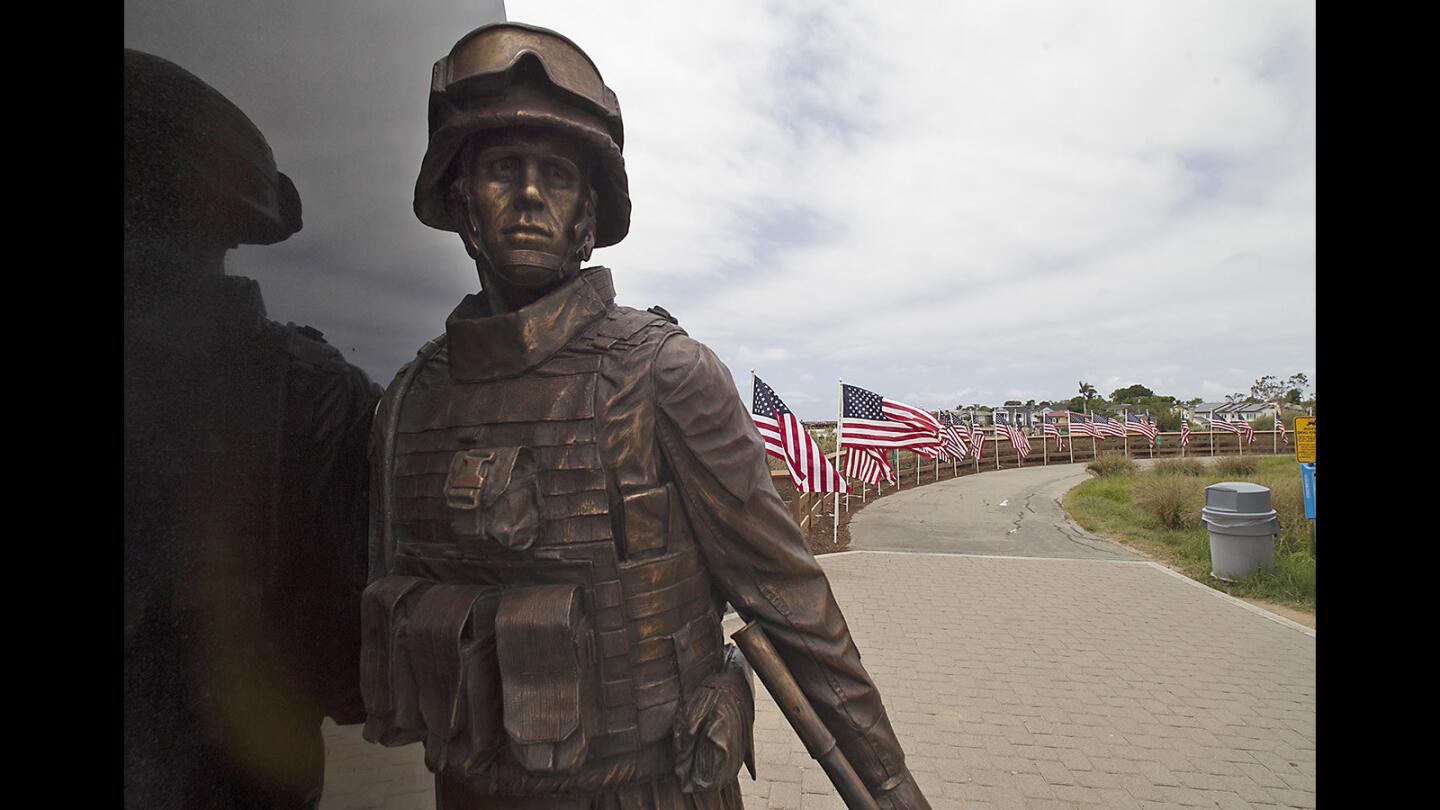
481,64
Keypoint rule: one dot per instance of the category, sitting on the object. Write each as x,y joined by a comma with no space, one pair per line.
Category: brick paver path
1026,683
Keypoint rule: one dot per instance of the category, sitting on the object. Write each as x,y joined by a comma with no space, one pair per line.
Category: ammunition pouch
713,733
548,672
430,670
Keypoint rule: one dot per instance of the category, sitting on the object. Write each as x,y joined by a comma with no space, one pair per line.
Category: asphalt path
1013,512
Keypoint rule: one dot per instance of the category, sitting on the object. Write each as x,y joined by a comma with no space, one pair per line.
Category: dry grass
1111,463
1180,466
1173,500
1235,466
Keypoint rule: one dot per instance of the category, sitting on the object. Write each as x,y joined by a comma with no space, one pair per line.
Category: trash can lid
1241,497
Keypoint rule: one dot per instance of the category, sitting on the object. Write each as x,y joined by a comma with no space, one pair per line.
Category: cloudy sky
945,203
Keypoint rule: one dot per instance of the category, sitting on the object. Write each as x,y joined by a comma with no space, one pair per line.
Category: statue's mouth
527,230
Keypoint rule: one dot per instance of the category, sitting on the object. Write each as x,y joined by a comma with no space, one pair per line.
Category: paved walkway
1026,680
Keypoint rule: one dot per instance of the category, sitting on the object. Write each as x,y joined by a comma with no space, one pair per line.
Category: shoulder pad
664,313
312,333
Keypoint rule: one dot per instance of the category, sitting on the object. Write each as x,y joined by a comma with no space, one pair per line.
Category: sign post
1305,454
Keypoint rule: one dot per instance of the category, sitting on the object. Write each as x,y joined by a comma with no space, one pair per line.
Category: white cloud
977,197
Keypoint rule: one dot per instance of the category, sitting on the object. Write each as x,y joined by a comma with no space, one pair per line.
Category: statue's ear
585,226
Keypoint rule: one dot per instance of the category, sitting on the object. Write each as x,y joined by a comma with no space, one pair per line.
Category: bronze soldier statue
571,491
245,474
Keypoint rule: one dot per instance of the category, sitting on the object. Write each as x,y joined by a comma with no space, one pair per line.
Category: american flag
786,439
1080,426
950,439
1105,427
977,439
1184,432
868,465
870,420
1051,428
1017,437
1223,426
1280,425
1245,429
1135,424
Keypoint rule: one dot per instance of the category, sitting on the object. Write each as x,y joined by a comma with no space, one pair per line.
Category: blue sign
1307,485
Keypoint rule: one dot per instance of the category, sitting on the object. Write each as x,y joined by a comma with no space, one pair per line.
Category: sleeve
760,562
334,585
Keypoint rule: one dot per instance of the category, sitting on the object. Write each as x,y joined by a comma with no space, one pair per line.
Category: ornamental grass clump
1180,466
1111,463
1173,500
1235,466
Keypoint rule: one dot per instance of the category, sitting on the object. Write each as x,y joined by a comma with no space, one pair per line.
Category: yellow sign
1305,439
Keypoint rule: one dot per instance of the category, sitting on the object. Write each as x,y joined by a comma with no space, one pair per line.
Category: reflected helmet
513,75
195,163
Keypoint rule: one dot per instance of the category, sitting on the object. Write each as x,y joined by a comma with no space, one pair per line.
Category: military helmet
195,162
511,75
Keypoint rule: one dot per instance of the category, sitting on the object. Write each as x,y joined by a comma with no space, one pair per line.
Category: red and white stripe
810,470
953,444
868,465
1222,426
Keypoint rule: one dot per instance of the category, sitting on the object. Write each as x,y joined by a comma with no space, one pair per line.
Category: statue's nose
530,196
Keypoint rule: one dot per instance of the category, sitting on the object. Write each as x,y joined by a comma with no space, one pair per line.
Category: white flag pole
1125,420
981,449
1094,448
839,421
1275,430
1068,420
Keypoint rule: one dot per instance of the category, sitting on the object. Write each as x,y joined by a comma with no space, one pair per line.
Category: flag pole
1125,418
1045,442
972,441
839,420
1156,426
1071,432
1212,434
1094,448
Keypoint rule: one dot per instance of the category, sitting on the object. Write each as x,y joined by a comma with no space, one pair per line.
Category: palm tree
1086,392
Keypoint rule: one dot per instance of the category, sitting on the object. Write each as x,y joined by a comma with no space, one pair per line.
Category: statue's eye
505,167
559,175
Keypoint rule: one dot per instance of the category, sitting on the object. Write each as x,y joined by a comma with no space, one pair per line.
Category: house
1250,411
1061,417
1230,411
1022,415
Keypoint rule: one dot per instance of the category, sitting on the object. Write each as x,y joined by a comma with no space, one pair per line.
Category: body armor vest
549,491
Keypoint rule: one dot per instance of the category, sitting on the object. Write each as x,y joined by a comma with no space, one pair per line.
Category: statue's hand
904,796
713,730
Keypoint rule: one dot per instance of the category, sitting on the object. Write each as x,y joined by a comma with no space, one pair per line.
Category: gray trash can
1242,528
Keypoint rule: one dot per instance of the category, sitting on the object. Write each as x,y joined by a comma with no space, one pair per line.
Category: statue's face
528,188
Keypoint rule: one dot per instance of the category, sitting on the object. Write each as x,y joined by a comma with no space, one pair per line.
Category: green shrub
1111,463
1173,500
1179,466
1235,466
